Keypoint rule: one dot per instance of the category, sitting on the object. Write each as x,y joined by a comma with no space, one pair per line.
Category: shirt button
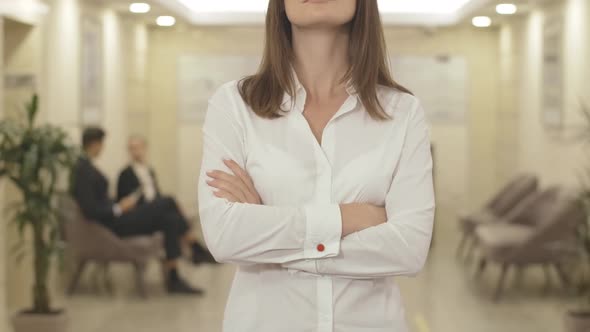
321,247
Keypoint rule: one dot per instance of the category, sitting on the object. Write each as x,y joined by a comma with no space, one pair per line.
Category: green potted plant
33,158
578,320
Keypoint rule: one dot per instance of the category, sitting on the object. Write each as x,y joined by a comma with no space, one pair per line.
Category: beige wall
60,94
539,150
138,116
465,151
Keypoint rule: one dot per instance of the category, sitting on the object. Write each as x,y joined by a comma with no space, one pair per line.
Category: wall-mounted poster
552,90
440,82
19,81
200,75
91,94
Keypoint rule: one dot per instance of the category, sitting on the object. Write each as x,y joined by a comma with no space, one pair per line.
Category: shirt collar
91,160
297,102
138,165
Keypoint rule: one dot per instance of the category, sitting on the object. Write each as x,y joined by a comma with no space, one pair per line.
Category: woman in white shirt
316,178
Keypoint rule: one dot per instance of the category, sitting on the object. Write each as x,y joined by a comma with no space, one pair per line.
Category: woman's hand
359,216
237,187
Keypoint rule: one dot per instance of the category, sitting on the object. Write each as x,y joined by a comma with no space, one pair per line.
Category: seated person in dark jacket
138,177
90,190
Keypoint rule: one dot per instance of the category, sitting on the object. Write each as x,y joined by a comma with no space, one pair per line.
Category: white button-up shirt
144,175
294,271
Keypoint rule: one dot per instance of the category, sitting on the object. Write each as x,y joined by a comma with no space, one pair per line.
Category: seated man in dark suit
138,177
90,190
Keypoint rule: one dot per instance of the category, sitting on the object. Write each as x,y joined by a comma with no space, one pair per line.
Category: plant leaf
32,107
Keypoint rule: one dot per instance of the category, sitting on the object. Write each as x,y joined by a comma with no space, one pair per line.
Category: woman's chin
320,22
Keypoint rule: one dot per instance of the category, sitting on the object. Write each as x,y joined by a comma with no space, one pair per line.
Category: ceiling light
165,21
506,9
139,7
385,6
482,21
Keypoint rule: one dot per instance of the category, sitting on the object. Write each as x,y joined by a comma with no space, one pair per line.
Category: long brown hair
264,91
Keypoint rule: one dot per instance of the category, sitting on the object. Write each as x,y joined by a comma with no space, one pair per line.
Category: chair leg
108,282
98,277
501,281
519,275
565,280
481,266
76,277
139,279
462,243
547,273
470,250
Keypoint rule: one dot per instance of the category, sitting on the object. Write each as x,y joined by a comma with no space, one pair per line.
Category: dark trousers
159,215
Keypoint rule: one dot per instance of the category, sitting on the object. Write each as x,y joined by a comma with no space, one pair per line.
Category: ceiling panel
394,12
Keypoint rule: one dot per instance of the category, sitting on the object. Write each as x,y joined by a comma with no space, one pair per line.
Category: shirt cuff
323,231
307,266
117,210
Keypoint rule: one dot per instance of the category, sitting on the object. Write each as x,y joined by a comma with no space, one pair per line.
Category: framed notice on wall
439,81
91,79
199,76
552,90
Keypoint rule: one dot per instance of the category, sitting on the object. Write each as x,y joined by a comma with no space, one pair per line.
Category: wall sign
199,76
552,89
440,82
91,79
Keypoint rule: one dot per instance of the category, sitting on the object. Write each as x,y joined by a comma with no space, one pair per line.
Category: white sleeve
247,233
400,246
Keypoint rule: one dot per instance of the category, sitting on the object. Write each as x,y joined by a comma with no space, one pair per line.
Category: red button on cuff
321,247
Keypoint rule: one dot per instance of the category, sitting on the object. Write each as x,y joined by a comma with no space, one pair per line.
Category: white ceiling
394,12
26,11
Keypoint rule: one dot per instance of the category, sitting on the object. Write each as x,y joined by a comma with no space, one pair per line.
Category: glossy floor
444,298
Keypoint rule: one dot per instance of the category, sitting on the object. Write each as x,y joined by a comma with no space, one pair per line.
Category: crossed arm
361,240
237,186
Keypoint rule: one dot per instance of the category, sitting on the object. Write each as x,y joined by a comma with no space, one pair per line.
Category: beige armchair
91,242
513,193
540,231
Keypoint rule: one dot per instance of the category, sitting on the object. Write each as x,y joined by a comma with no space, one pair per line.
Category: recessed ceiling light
481,21
506,9
165,21
139,7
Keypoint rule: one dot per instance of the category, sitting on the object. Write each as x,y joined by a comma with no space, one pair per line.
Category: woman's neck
321,60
